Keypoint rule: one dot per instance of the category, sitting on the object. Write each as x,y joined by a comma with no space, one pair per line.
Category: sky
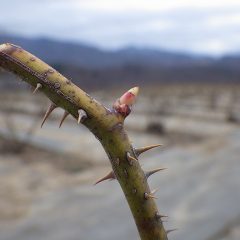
204,27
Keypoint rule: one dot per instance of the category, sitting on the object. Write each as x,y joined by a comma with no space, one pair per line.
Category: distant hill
90,66
58,52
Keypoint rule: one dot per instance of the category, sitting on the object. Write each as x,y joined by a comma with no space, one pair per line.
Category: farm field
47,174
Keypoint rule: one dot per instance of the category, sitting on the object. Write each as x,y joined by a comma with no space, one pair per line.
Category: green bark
107,125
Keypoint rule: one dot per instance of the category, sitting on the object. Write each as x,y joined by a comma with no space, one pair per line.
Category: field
47,174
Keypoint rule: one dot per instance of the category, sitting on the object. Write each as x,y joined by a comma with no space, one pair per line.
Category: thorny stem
107,125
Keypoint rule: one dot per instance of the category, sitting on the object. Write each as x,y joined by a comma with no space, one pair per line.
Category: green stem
107,125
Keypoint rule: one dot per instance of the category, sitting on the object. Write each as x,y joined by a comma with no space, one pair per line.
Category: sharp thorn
48,112
139,151
110,176
82,115
152,196
163,216
149,173
149,196
160,216
130,158
154,191
39,85
171,230
63,118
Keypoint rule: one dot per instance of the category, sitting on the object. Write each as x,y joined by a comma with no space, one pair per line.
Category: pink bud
129,97
124,103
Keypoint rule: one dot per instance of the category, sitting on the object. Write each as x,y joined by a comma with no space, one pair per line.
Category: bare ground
47,191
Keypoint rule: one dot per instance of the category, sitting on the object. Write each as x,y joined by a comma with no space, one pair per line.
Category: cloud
224,20
186,25
151,5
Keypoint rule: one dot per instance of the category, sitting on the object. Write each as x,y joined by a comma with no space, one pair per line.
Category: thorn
154,191
160,216
149,196
149,173
82,116
48,112
130,158
171,230
39,85
63,118
110,176
163,216
139,151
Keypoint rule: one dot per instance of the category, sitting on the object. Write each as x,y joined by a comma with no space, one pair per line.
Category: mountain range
131,64
57,52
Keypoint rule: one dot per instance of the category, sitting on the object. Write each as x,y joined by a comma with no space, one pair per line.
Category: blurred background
185,57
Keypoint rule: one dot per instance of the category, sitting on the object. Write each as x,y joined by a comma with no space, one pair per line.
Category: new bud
129,97
124,103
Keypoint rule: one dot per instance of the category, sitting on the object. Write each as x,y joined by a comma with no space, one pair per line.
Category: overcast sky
205,26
